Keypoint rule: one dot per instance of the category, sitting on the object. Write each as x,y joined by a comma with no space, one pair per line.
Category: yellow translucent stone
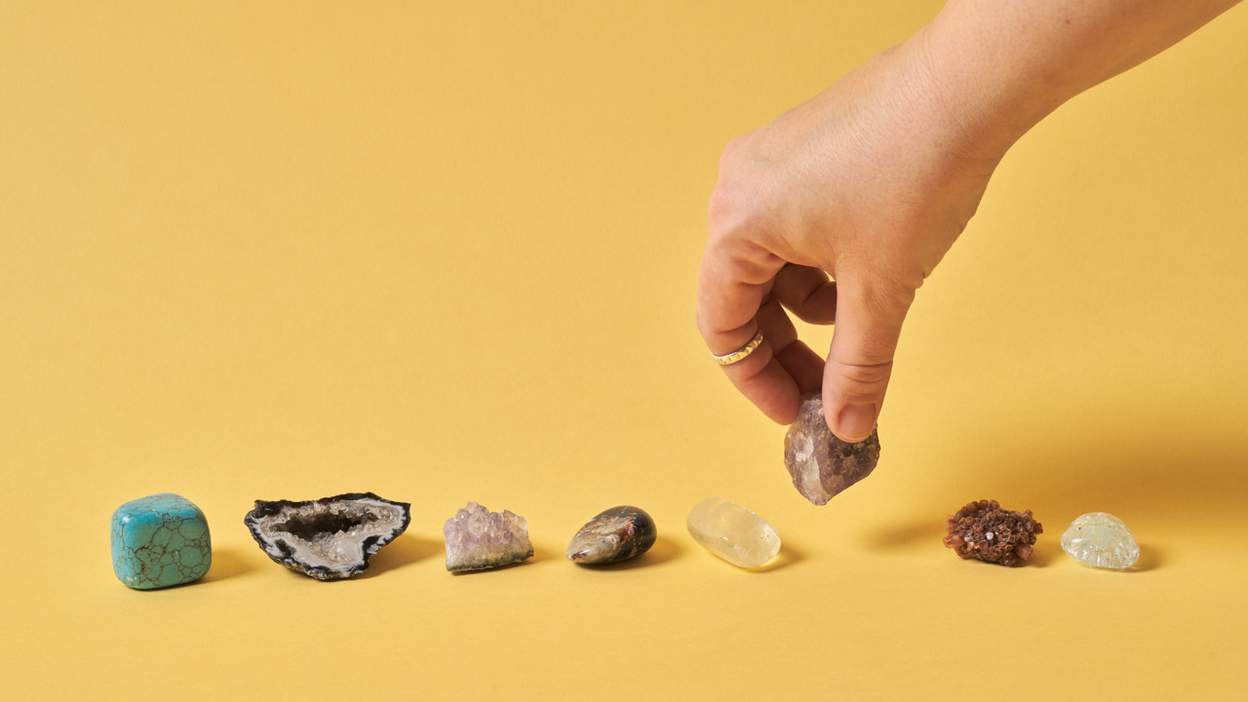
733,532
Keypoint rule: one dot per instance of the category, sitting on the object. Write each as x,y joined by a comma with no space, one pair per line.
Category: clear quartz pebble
733,532
1101,540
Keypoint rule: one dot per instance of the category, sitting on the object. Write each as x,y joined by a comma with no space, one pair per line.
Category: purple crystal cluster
478,539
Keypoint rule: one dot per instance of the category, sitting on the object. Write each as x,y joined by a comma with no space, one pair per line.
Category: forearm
1000,66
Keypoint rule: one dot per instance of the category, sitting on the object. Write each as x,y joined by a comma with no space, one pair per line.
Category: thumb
868,322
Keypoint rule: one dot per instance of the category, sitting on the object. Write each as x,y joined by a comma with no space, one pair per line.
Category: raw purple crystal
478,539
820,464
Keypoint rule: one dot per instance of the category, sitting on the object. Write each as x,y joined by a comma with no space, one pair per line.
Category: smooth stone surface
820,464
1101,540
478,539
733,532
330,538
160,540
615,535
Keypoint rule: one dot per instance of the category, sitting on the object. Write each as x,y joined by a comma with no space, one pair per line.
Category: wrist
985,101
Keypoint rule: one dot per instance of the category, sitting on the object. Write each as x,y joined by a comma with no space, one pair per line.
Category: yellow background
447,252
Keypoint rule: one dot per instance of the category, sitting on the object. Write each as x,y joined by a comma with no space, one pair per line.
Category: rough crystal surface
1101,540
160,540
985,532
820,464
615,535
478,539
330,538
733,532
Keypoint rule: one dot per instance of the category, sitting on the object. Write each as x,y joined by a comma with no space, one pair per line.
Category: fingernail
855,422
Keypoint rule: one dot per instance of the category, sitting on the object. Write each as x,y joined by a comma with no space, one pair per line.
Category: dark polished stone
615,535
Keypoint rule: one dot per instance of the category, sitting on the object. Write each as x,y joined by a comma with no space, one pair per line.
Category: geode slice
615,535
478,539
985,532
820,464
330,538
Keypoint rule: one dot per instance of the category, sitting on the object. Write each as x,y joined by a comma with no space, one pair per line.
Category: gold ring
741,353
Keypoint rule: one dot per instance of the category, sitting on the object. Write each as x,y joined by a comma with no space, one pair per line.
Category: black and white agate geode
330,538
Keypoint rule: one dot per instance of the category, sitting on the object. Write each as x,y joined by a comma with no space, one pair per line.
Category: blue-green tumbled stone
160,540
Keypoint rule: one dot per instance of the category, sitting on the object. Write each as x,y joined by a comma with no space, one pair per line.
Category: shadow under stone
1044,553
1151,558
789,555
402,552
907,536
226,563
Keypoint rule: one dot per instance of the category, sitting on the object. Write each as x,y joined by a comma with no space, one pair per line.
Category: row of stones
333,537
163,540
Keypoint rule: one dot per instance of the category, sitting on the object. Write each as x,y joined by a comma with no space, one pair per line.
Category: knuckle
734,201
726,209
703,323
731,147
859,380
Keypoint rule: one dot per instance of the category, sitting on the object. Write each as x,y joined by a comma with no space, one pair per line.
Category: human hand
873,180
870,182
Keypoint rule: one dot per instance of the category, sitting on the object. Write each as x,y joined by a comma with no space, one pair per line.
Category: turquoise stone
160,540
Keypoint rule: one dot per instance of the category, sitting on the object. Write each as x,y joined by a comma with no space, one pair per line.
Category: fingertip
766,384
778,398
782,415
851,422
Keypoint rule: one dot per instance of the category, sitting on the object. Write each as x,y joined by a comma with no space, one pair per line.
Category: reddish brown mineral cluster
984,531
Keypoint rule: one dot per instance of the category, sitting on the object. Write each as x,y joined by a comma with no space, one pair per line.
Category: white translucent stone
1101,540
733,532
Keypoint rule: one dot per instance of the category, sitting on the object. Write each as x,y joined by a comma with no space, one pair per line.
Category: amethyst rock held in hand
820,464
